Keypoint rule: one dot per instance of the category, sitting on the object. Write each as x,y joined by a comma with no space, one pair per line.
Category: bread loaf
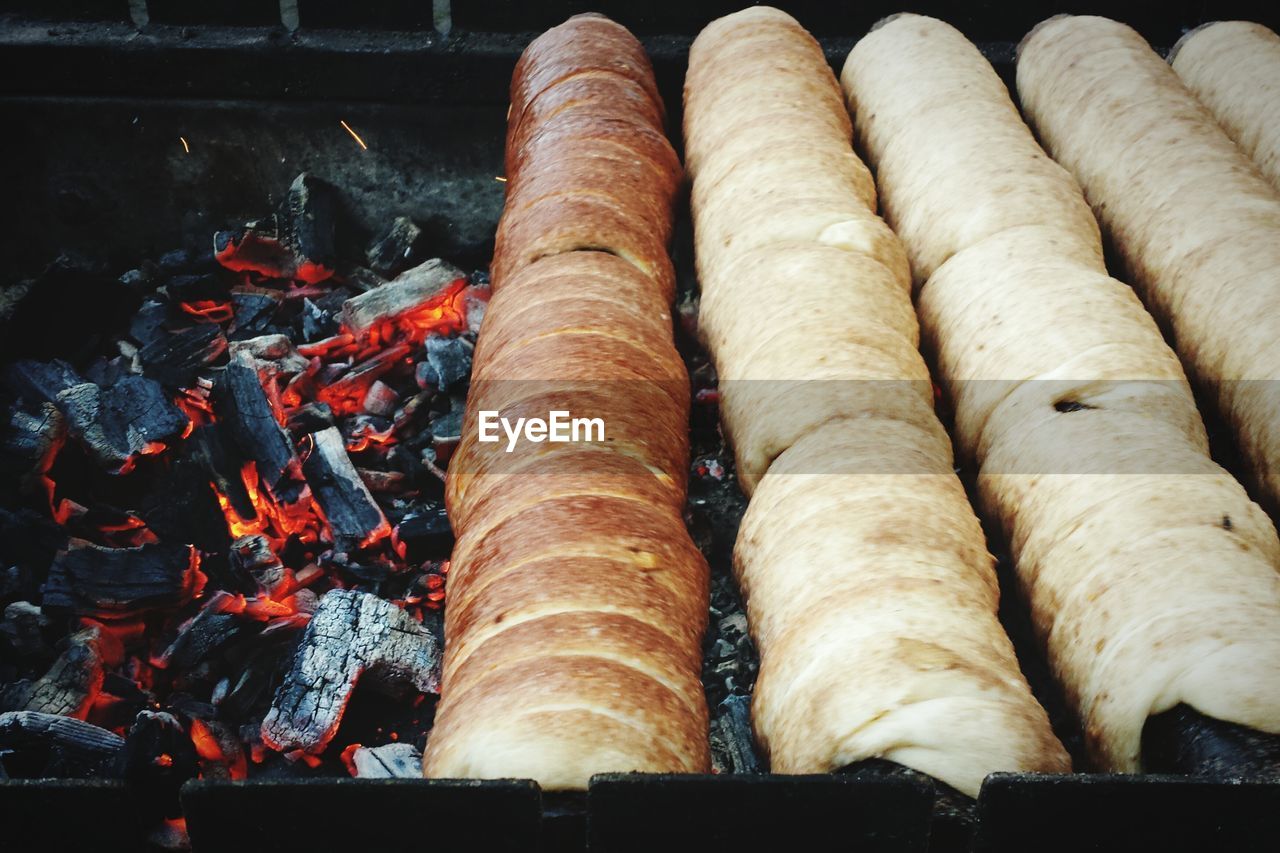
576,600
1233,68
869,591
1195,223
1151,577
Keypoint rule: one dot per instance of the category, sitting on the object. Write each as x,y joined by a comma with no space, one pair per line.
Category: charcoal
361,280
399,249
389,761
200,637
425,375
347,392
67,746
731,743
182,505
156,759
68,688
69,312
381,400
450,358
148,323
122,582
354,517
296,243
179,262
273,354
221,753
1184,741
196,288
121,421
352,634
242,405
384,482
31,443
254,311
308,418
22,632
175,359
426,534
41,381
253,683
317,323
254,559
221,461
446,427
412,291
107,372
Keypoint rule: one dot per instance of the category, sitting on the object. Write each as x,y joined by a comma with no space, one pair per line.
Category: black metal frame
405,80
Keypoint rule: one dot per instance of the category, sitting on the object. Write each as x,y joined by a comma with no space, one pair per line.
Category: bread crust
576,600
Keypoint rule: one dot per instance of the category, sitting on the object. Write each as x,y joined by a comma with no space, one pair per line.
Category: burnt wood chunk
450,360
426,535
351,634
1182,740
241,404
158,756
355,519
398,249
389,761
297,242
32,442
731,742
413,290
174,360
41,381
116,423
222,463
52,745
201,636
122,582
70,685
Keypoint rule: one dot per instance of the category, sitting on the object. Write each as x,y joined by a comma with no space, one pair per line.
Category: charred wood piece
157,758
425,535
271,354
731,740
174,360
33,442
117,423
450,361
351,634
215,455
1184,741
241,404
355,519
69,687
22,632
41,381
297,242
389,761
399,249
414,290
121,582
201,636
65,746
347,393
253,310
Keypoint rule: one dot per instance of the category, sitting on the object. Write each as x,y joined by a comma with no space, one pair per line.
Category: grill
137,127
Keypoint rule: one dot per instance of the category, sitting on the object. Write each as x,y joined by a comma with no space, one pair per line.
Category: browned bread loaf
577,601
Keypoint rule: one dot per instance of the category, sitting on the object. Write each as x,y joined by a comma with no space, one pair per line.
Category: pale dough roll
1233,67
1195,222
870,592
897,665
954,95
1152,578
977,306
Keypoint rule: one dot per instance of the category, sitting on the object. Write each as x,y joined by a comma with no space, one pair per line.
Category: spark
500,178
185,146
354,135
